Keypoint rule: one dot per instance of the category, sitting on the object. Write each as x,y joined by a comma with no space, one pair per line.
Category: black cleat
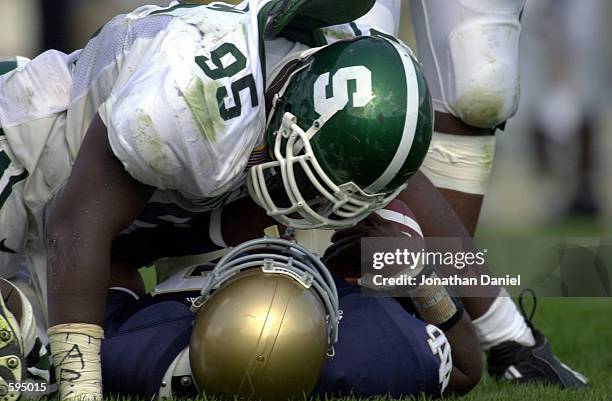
536,364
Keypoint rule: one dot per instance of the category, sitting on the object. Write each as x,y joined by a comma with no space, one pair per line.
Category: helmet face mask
282,257
267,317
345,133
334,206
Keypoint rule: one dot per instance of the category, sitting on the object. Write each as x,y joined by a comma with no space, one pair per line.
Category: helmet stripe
410,121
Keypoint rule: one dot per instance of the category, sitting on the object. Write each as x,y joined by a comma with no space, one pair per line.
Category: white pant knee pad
469,51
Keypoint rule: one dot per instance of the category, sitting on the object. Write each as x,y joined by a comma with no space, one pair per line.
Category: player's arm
343,258
99,200
438,219
467,365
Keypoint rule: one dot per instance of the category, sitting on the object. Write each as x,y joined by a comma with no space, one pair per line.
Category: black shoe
536,364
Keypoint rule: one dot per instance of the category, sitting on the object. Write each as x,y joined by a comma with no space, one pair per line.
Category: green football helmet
347,130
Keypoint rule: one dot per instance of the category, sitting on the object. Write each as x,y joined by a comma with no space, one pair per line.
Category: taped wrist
75,349
435,304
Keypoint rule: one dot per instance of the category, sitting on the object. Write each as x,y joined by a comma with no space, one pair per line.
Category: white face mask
334,207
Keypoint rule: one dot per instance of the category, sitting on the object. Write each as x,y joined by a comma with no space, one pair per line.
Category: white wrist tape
460,163
75,349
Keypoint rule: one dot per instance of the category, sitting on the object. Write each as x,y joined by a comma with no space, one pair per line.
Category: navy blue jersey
382,349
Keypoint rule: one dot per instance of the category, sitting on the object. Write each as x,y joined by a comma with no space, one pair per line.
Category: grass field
579,330
580,334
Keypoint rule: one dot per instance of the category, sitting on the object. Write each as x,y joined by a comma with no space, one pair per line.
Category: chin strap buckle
270,266
197,303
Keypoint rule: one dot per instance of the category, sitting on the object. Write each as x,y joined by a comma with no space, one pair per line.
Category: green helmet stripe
410,122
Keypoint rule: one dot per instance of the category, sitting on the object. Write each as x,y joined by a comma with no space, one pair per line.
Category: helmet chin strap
287,81
281,92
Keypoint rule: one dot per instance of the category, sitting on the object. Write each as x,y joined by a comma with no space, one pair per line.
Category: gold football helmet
265,330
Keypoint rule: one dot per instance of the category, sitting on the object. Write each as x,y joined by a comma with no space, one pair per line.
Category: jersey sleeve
145,131
170,123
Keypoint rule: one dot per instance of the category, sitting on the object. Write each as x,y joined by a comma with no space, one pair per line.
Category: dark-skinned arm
343,257
99,200
465,349
438,219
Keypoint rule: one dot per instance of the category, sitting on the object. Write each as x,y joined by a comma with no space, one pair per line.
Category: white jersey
181,92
